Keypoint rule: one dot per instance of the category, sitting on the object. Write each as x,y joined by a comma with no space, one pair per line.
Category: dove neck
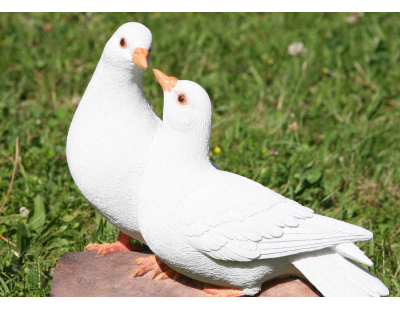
125,81
185,149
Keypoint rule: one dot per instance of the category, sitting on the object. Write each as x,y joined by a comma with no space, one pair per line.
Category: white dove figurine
110,136
226,230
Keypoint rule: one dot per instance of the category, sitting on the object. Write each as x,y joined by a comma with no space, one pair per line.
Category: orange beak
166,82
139,57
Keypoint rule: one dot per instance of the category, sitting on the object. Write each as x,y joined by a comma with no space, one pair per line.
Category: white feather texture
224,229
337,276
111,134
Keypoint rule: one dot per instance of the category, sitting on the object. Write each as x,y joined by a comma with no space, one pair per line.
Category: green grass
332,115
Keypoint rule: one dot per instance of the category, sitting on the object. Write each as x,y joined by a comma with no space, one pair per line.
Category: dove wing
235,219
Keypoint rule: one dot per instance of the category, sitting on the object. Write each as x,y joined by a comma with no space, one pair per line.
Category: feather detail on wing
237,219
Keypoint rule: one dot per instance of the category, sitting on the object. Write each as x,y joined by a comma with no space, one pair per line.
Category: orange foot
159,268
223,292
121,245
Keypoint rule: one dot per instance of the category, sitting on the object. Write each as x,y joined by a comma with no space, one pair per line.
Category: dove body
224,229
164,229
111,134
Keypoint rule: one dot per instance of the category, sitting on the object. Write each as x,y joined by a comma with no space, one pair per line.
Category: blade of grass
13,174
4,285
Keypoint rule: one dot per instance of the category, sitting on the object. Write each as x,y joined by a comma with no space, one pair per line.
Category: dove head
129,48
187,106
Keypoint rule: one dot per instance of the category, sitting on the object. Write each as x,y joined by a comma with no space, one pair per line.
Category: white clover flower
353,17
24,212
76,100
297,48
294,127
273,152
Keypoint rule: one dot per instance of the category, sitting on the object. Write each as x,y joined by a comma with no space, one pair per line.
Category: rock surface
80,274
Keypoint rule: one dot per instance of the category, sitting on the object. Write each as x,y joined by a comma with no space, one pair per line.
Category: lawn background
321,127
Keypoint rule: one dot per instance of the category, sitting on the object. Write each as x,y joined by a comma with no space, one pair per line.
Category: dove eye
123,43
182,99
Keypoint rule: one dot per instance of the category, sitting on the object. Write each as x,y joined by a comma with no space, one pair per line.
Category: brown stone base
86,274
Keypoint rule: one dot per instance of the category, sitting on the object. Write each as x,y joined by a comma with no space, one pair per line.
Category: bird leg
160,269
223,292
121,245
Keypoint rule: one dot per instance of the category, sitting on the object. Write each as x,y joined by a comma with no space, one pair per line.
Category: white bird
111,134
224,229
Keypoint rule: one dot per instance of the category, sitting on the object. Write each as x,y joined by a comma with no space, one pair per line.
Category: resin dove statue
111,134
226,230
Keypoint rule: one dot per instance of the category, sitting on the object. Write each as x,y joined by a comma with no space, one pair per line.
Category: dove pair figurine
155,182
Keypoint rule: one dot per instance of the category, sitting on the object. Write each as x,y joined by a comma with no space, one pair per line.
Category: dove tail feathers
336,276
350,250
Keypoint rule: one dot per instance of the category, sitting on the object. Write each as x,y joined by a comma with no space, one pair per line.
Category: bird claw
160,270
108,248
171,274
147,264
121,245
